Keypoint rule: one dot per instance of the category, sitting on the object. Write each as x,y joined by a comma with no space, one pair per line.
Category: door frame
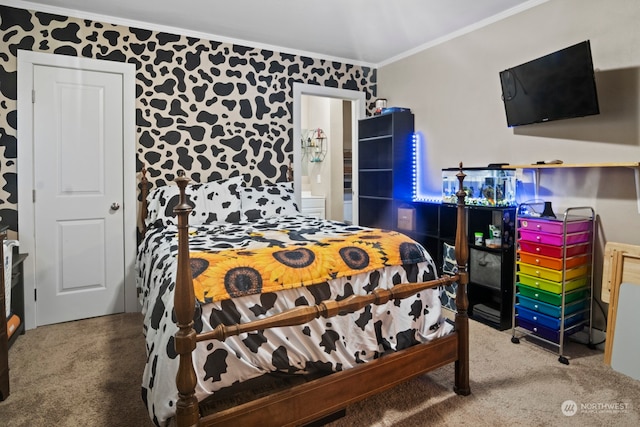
26,213
357,112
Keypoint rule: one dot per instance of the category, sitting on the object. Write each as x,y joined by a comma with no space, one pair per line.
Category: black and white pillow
449,266
216,201
162,200
222,200
268,200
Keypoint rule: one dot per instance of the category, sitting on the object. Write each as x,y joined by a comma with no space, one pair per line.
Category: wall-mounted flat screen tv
557,86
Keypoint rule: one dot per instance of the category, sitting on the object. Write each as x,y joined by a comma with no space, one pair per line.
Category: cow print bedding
324,344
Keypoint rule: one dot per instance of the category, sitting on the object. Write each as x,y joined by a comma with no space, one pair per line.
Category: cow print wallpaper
212,109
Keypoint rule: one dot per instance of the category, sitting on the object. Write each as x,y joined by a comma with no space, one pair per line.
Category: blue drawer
545,320
550,309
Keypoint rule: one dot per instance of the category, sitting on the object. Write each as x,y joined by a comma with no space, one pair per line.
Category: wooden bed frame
320,398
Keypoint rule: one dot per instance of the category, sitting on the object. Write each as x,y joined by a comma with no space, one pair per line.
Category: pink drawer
554,226
554,239
550,262
553,251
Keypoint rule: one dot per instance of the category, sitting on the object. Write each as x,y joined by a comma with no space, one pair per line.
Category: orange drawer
553,263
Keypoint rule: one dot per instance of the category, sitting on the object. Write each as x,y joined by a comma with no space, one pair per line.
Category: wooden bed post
462,302
187,413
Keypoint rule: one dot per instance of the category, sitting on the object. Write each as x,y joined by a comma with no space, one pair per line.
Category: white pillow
268,200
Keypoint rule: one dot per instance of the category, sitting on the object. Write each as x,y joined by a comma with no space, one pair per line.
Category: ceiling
369,32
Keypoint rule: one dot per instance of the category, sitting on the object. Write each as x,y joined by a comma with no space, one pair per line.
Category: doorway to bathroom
325,155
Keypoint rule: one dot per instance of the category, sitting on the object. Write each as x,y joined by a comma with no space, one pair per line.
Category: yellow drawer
550,274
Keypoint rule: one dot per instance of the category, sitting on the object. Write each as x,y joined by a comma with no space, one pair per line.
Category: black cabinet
16,320
491,277
426,227
17,294
385,183
491,266
385,149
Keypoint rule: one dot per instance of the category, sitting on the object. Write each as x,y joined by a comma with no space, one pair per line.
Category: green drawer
549,297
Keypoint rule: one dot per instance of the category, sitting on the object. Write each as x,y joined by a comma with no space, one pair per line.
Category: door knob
115,206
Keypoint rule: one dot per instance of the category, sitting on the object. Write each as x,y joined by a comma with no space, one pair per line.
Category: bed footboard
393,368
327,309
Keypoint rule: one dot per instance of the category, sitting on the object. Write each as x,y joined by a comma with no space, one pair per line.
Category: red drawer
553,251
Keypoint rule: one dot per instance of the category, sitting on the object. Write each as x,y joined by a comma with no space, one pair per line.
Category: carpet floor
60,377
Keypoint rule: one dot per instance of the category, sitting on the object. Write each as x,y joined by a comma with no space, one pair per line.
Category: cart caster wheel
563,360
515,340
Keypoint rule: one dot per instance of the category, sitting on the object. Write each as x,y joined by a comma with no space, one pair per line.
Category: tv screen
557,86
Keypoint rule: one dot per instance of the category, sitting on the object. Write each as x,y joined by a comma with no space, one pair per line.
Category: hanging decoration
314,145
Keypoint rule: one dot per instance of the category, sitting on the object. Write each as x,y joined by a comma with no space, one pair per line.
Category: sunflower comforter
292,259
246,271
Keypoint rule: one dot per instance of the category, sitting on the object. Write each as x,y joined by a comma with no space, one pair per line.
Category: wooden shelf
575,165
536,169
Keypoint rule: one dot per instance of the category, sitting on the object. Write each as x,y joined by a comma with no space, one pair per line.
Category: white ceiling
369,32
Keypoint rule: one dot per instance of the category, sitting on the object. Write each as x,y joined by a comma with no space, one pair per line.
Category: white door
78,182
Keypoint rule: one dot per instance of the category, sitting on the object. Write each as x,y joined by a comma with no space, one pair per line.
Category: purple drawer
547,333
554,226
554,239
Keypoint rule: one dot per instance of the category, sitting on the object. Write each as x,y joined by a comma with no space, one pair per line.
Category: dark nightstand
17,308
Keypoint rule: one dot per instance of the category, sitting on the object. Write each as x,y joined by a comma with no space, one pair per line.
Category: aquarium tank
484,186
